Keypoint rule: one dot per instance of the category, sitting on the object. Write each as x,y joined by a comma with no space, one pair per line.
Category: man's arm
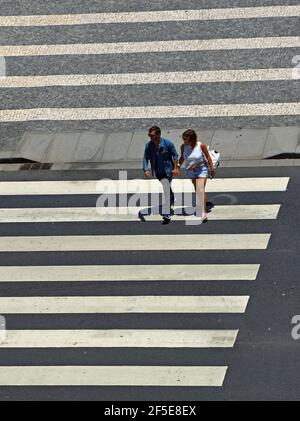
174,153
175,157
146,162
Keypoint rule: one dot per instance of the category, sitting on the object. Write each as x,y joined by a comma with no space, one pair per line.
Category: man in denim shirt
163,158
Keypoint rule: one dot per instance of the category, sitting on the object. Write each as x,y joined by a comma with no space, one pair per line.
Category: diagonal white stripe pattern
248,75
149,46
152,112
151,17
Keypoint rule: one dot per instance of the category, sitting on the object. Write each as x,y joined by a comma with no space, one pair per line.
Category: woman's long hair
192,135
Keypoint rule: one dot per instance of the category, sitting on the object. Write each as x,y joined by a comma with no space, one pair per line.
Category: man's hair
156,128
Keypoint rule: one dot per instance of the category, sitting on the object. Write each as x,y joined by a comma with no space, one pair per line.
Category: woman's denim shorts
202,172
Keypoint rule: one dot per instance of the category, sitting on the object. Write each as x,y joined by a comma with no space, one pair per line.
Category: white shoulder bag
215,157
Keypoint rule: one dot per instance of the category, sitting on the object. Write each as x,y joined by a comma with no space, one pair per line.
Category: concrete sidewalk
88,150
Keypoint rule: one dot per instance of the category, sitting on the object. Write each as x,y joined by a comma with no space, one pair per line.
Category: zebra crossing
129,268
210,65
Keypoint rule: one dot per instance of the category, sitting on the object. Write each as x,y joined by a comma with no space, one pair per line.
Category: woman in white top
198,165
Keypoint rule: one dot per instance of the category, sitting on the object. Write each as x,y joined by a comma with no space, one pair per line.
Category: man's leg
172,195
168,200
168,192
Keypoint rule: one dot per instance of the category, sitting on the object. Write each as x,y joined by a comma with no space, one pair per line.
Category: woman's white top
194,158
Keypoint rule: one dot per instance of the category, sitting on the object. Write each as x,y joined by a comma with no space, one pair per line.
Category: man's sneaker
166,219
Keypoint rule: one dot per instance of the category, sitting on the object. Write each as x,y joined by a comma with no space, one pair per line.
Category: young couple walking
166,163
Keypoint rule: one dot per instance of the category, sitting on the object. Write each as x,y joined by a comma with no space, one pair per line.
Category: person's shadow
209,206
158,210
153,210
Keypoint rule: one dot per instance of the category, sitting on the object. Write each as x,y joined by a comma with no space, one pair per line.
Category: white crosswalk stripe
120,338
139,304
228,185
112,376
115,113
148,78
128,273
129,242
149,47
157,16
117,214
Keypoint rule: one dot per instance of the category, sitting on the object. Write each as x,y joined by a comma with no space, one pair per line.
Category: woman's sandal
204,219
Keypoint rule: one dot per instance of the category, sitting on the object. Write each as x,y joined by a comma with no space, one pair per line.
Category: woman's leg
194,183
200,184
205,202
